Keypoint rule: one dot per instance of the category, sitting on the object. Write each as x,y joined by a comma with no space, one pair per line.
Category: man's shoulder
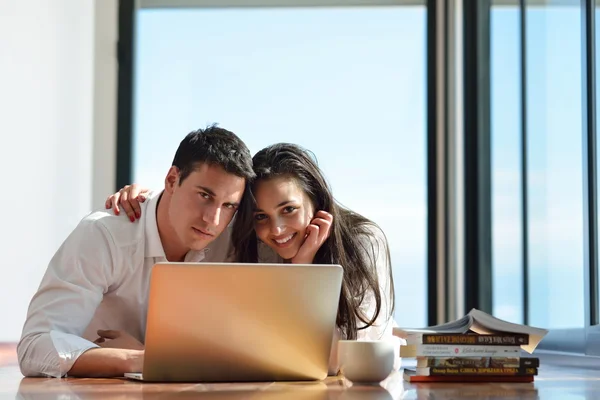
108,219
118,227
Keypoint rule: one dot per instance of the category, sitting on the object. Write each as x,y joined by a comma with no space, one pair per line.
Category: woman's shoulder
372,237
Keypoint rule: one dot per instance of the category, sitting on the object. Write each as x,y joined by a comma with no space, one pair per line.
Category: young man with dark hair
98,279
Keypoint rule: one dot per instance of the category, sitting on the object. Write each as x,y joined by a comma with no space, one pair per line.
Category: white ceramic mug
366,361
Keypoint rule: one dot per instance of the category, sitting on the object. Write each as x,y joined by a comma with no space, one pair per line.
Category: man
99,277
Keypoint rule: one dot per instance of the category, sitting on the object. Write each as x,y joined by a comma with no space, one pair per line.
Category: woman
290,215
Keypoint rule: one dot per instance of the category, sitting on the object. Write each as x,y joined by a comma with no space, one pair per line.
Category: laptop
235,322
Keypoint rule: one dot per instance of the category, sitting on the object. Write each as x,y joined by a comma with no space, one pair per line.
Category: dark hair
216,146
351,243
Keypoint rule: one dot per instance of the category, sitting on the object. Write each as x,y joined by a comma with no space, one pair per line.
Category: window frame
449,291
584,340
436,262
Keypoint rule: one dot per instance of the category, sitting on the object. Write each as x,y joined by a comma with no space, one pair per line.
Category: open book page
461,325
485,324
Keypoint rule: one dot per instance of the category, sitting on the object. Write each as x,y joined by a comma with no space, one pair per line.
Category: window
553,89
554,126
507,233
347,83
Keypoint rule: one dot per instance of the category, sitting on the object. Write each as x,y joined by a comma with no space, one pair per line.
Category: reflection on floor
556,380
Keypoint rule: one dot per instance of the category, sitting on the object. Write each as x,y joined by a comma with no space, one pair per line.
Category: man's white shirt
98,279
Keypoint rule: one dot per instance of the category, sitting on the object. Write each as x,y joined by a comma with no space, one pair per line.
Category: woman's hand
316,234
129,198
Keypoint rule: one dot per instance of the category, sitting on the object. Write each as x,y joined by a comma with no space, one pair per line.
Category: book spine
470,378
523,362
432,350
474,340
435,371
482,362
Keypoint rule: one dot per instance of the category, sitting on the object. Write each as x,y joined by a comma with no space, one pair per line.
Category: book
432,371
491,362
409,375
510,339
445,350
481,323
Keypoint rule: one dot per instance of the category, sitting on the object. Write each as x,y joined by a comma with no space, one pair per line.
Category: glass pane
554,94
507,234
346,83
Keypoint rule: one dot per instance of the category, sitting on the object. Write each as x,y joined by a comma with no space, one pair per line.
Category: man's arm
77,277
101,362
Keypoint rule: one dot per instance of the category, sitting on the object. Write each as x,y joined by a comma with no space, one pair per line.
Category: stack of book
475,348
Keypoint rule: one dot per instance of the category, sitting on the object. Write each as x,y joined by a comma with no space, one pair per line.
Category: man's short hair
214,146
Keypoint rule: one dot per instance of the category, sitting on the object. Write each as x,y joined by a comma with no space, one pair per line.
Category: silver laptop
221,322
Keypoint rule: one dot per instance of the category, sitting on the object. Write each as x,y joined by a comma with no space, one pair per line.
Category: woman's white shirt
382,328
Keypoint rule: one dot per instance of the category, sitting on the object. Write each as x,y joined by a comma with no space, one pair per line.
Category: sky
554,156
350,85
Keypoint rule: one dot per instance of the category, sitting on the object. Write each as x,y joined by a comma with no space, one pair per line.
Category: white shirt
382,327
98,279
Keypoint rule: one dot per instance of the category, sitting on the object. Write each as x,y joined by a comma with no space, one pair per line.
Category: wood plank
554,381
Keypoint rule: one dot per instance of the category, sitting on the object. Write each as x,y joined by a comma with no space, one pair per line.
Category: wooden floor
564,382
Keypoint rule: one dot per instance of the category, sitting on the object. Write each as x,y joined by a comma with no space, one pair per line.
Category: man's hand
117,340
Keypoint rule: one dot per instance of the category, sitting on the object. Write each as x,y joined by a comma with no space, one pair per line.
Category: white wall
57,110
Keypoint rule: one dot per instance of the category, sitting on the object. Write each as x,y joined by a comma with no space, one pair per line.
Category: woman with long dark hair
290,215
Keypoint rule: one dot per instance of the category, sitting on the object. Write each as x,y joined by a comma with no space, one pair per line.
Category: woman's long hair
351,243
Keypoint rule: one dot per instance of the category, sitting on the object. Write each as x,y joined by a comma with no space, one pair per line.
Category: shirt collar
154,246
